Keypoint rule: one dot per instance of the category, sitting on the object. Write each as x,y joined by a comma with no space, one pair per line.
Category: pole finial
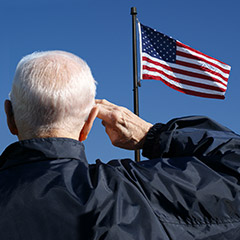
133,11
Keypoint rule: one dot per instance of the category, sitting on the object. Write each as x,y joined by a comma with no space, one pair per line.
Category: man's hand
124,128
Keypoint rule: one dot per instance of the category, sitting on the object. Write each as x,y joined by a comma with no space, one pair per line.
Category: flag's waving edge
140,48
180,66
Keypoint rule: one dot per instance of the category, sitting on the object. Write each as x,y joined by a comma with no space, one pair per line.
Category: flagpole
135,71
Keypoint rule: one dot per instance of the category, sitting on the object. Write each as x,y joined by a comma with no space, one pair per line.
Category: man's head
52,94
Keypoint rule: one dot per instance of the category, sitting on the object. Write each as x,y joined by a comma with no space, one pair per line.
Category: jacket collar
40,149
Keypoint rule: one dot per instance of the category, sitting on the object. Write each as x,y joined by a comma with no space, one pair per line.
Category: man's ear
10,117
88,124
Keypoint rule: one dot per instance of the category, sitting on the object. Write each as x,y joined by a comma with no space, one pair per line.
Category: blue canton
158,45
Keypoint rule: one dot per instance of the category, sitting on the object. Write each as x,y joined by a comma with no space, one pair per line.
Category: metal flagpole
135,71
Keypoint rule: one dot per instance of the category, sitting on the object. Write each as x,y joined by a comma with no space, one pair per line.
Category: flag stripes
180,71
192,72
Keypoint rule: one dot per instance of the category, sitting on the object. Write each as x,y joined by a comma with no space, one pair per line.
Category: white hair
52,90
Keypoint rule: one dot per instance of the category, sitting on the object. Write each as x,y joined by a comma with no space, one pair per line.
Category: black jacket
188,190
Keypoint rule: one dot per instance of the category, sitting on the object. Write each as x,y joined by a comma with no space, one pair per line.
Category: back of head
51,90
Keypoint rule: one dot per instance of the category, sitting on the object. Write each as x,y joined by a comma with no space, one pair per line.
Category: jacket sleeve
200,137
192,180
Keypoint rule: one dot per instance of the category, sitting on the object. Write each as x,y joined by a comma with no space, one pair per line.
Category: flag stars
158,45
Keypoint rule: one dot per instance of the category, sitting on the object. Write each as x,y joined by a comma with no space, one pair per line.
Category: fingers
103,112
124,128
104,102
106,110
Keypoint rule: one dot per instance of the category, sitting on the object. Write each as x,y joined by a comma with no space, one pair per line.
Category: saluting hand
124,128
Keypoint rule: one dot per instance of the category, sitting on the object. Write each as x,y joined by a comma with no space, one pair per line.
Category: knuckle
102,101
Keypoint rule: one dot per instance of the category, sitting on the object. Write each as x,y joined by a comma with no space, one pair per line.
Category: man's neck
54,133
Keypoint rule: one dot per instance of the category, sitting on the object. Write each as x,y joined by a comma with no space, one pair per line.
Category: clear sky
100,32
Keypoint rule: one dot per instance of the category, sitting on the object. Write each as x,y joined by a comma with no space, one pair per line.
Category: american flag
180,66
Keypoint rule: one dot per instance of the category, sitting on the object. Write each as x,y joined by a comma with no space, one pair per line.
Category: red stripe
188,55
196,51
189,92
187,73
182,81
201,68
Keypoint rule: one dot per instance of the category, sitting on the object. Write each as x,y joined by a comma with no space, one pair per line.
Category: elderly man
188,190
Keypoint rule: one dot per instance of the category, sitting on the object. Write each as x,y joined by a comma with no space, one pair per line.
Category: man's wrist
139,144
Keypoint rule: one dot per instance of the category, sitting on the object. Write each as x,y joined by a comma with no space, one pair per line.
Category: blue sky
100,33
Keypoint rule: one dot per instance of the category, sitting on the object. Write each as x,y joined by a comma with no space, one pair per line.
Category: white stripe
224,66
193,70
185,68
185,77
183,86
194,79
202,64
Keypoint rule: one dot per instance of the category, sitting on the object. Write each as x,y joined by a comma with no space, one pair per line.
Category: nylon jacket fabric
188,190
